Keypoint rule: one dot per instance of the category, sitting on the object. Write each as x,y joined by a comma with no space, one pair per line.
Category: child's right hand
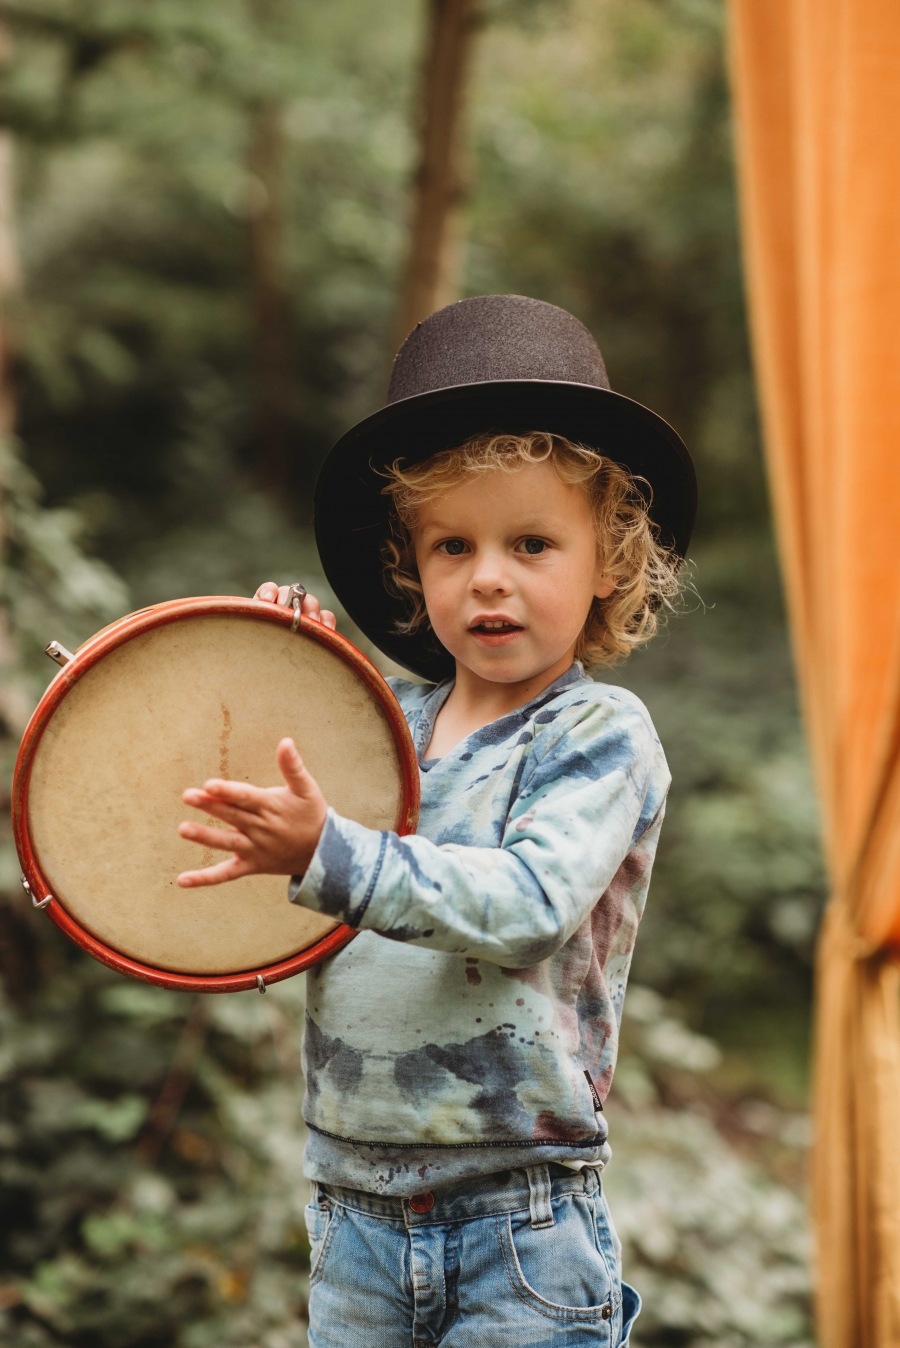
271,593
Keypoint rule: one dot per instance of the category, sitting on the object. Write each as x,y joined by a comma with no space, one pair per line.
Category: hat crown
495,337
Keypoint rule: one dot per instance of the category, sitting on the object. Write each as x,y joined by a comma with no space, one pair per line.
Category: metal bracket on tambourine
36,903
295,597
58,653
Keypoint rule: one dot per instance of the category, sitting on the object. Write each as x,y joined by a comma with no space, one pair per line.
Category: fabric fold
817,96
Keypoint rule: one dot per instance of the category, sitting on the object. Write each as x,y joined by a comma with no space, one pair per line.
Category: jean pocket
319,1224
559,1270
631,1309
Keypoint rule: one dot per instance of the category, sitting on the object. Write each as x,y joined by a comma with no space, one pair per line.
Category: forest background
211,218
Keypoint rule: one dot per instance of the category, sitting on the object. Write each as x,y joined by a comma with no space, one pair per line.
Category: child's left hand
274,830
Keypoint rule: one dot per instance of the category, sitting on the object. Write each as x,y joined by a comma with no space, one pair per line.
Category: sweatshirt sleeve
587,797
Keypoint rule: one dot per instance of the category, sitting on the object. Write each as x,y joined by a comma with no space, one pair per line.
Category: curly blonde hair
646,573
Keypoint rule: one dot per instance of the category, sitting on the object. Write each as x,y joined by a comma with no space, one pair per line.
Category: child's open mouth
494,631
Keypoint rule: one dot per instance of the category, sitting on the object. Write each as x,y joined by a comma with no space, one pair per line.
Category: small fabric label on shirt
598,1103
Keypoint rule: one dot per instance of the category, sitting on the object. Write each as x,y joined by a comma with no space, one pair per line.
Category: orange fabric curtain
817,99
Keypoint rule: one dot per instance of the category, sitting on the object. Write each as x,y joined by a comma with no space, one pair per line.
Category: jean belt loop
540,1193
314,1193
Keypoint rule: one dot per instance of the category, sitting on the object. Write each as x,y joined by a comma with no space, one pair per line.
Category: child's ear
604,587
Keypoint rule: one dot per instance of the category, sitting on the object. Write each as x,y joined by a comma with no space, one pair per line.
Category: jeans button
607,1311
422,1202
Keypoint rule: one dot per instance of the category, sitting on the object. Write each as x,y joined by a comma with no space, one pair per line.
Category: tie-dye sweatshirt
473,1025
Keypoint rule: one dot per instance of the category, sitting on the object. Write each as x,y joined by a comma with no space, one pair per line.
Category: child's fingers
243,820
232,869
241,794
221,839
310,607
274,594
294,770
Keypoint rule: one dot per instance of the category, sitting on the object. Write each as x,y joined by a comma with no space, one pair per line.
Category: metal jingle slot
35,902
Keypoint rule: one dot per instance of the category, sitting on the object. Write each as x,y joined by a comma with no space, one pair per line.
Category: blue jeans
527,1257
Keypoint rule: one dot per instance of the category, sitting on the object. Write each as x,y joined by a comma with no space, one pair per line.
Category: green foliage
135,218
717,1246
602,181
99,1245
47,577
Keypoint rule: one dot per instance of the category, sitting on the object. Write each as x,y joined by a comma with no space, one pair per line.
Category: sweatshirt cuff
341,877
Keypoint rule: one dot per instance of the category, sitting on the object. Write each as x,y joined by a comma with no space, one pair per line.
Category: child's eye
532,546
453,547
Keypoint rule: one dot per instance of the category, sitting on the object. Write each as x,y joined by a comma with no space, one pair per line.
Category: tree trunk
164,1114
14,700
273,355
10,269
431,271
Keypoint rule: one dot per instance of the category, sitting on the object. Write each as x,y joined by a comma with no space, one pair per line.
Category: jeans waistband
509,1191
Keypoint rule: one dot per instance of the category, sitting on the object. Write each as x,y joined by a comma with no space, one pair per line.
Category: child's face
509,567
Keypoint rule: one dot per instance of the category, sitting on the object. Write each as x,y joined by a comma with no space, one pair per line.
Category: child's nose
490,576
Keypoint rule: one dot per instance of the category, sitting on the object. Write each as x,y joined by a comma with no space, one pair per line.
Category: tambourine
164,699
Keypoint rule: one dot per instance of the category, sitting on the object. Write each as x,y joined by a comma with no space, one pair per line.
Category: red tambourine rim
89,655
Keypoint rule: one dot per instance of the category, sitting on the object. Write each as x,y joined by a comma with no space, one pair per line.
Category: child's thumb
293,769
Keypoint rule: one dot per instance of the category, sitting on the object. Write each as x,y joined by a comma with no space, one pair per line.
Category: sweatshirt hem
594,1140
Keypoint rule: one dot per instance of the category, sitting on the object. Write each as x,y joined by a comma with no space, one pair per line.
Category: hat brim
351,512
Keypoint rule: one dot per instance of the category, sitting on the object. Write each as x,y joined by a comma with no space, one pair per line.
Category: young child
457,1053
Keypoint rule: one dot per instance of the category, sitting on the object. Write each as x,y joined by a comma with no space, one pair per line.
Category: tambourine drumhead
163,700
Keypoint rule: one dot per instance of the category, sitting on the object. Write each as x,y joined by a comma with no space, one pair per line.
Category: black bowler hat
494,363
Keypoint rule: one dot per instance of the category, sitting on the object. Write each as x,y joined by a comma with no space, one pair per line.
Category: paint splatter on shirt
452,1037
